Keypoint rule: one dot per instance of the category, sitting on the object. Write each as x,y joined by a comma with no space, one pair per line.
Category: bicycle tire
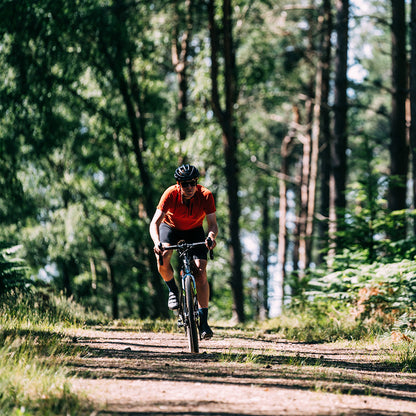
191,327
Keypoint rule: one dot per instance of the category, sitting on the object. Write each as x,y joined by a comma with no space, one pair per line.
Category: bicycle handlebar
184,246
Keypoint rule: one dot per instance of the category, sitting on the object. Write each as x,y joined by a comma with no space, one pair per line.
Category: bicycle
188,316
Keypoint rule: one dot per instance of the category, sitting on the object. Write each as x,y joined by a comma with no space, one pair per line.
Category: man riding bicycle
179,216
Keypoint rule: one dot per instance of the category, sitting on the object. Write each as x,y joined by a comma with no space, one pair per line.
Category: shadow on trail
322,359
105,352
284,370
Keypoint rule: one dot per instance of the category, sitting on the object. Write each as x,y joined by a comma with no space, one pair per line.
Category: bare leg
165,270
202,285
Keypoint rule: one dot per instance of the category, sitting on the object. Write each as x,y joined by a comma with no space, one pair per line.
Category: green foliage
13,272
370,226
33,380
41,310
378,294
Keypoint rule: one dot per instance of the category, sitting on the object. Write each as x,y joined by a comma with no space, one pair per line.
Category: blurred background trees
296,113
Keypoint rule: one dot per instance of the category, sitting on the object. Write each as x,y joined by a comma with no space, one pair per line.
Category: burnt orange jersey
186,216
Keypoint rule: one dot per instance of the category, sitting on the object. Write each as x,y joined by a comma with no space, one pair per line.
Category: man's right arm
154,229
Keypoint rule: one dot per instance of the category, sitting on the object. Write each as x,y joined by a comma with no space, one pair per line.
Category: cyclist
179,216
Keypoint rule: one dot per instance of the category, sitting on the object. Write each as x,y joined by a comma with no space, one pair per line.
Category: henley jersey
186,217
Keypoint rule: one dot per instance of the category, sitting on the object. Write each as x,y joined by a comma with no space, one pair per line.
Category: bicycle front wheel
189,305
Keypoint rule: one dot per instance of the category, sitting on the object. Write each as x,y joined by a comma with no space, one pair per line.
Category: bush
377,294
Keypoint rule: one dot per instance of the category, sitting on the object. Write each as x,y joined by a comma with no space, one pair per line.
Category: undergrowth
319,323
35,347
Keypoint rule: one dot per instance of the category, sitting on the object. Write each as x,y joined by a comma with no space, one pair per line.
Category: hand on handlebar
158,249
210,243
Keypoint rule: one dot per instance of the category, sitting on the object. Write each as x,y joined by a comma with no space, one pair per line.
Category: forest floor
236,373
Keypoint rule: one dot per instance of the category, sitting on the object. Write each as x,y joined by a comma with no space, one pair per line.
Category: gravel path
140,373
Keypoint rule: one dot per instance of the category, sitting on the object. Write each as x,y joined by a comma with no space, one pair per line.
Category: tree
340,134
286,150
399,151
325,129
413,102
181,38
226,119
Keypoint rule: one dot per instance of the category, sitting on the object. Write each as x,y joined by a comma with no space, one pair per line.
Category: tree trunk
226,120
68,264
136,121
325,137
264,256
399,152
320,102
263,286
282,237
180,52
339,148
413,103
66,277
230,145
303,220
109,254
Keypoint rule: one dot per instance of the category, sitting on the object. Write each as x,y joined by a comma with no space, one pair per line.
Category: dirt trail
131,373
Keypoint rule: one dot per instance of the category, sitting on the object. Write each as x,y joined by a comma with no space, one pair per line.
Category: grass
146,325
35,345
319,326
244,356
403,354
29,385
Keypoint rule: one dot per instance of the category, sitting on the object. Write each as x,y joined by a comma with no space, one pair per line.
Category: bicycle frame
188,309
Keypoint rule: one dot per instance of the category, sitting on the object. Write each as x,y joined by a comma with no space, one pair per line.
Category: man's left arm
212,228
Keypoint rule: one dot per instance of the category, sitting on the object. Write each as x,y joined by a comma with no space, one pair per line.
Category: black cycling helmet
186,173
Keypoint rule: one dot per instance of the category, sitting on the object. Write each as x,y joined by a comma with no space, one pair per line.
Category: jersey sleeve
209,203
165,200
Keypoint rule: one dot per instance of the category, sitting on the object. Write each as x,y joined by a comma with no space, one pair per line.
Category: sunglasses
186,184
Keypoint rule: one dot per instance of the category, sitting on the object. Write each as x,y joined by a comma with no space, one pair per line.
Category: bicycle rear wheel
189,306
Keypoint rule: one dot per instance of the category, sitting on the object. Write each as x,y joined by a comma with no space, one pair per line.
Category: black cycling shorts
172,236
